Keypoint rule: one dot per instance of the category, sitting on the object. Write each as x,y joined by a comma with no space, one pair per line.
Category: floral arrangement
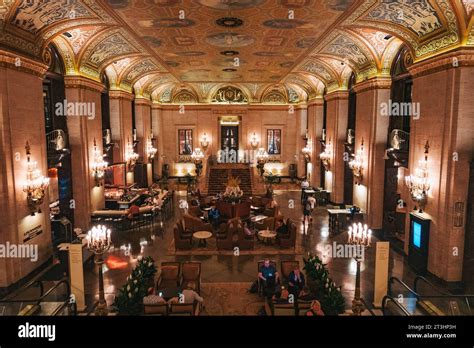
233,193
130,298
325,289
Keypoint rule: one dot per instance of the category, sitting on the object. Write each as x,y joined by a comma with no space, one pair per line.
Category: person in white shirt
304,186
190,295
152,298
308,208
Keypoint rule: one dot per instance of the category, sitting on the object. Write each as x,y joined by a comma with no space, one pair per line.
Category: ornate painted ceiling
273,51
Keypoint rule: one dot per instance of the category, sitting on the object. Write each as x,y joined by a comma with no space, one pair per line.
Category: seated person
281,228
214,215
190,295
195,201
153,298
133,211
269,276
248,232
306,295
296,281
281,296
315,309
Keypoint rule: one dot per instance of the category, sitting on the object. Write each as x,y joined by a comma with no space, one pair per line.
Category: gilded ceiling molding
184,96
318,101
16,62
67,55
451,60
82,82
134,72
375,83
389,55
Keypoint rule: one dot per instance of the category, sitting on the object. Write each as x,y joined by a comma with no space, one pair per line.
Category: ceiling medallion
230,53
229,22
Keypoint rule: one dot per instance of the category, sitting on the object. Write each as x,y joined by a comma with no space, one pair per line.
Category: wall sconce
326,155
36,184
254,141
98,165
150,150
131,156
204,142
357,164
418,183
307,150
262,158
197,157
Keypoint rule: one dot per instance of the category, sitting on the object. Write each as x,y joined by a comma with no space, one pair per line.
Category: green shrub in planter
129,300
326,291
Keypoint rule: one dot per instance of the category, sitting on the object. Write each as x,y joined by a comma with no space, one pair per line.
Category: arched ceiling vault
158,55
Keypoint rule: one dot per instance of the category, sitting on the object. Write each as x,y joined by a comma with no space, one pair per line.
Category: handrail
420,278
398,305
395,279
367,307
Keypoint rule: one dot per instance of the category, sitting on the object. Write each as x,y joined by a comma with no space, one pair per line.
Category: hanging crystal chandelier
131,156
326,155
357,164
36,184
98,165
418,183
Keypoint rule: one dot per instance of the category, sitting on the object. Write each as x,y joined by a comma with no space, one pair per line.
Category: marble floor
219,268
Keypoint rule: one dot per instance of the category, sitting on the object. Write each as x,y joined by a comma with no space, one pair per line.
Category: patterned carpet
230,299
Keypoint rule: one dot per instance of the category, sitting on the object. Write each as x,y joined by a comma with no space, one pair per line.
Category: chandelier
36,184
254,141
204,142
98,165
262,158
150,150
307,150
418,183
357,164
326,155
131,156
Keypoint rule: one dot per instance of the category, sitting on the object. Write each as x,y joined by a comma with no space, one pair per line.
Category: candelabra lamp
131,156
357,164
98,242
262,158
36,184
419,183
98,165
361,237
326,155
150,149
197,157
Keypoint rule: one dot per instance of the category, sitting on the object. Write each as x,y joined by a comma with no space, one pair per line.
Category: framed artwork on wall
185,142
274,141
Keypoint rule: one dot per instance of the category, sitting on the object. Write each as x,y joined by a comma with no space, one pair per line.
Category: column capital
22,63
83,82
116,94
375,83
337,95
142,101
316,101
455,59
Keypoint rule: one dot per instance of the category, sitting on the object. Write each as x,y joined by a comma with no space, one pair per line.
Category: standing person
296,282
214,216
308,208
304,186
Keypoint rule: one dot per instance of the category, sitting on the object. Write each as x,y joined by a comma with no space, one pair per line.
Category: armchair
195,224
191,272
182,241
286,268
245,242
169,276
289,241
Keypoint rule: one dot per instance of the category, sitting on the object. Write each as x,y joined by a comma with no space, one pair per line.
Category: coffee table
267,235
202,236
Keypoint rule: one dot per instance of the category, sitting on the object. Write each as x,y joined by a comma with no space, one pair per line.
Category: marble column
301,126
121,125
336,129
83,130
442,87
21,120
315,132
157,125
372,128
143,126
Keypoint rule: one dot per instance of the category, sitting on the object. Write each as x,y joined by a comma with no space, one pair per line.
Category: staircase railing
56,140
391,307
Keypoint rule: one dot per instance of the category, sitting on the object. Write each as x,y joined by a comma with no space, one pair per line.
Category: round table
202,236
267,235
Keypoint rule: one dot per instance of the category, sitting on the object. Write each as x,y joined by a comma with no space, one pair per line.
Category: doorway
229,138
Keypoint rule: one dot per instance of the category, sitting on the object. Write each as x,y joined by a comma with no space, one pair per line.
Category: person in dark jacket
296,282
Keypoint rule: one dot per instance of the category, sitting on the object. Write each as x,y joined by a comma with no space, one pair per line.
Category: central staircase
220,173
